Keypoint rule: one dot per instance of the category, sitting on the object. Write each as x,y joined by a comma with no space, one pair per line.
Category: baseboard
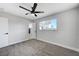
13,43
17,42
71,48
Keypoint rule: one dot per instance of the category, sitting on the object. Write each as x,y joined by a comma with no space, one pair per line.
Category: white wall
66,34
18,28
77,42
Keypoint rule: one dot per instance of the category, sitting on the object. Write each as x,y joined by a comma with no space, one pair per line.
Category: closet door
3,32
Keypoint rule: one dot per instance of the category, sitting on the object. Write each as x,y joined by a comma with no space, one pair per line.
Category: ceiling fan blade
35,15
38,12
26,13
24,8
34,7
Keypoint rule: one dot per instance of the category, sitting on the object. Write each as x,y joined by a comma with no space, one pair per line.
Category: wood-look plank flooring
35,47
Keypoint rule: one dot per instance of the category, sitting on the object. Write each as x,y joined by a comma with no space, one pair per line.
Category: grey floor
36,48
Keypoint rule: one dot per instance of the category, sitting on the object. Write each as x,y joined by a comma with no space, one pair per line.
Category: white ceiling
48,8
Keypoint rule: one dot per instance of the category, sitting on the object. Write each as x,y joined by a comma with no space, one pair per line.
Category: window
30,25
48,24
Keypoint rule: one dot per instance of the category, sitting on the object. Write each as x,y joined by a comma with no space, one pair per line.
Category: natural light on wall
48,24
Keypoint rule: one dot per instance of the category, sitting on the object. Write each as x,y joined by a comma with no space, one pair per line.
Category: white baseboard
74,49
12,43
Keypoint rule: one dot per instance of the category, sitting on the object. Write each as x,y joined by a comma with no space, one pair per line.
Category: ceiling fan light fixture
32,14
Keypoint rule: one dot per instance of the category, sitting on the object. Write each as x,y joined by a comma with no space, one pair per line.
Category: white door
3,32
32,34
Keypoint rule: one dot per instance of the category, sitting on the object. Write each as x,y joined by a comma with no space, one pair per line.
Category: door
32,31
3,32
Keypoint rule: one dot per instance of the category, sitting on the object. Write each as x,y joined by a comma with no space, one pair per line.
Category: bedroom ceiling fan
33,11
